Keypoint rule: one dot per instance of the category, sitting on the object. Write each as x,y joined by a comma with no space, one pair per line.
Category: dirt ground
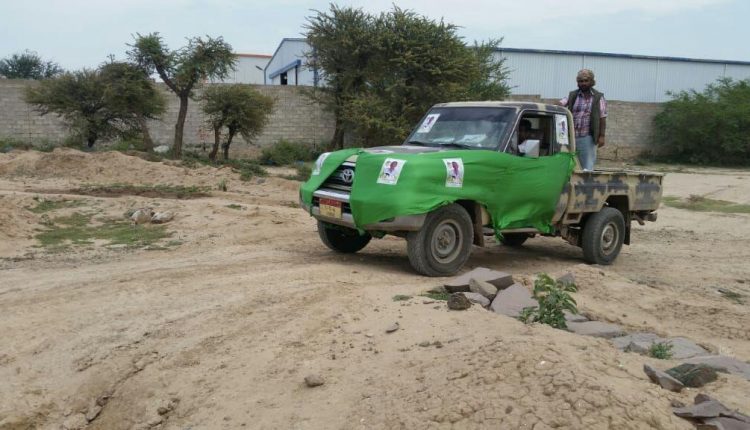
219,327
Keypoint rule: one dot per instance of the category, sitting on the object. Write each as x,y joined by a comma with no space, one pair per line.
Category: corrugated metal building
634,78
551,74
250,69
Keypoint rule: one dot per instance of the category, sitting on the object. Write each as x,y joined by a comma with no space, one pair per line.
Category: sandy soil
220,330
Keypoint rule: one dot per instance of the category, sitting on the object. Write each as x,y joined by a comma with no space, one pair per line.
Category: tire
342,239
443,244
603,235
514,239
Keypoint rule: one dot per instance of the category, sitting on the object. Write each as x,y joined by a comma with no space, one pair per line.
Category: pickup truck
467,174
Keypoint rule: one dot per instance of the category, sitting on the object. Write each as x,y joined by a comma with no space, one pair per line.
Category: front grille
342,178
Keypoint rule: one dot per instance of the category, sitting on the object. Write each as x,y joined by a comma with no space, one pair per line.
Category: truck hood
400,149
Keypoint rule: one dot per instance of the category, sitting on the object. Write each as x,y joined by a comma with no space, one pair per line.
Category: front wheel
603,235
443,244
342,239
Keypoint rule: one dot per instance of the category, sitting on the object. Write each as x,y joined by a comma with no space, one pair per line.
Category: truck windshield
463,127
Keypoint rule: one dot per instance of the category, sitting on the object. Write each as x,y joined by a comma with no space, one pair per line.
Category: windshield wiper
418,142
459,145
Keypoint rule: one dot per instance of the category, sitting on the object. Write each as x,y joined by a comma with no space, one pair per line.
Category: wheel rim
610,238
446,241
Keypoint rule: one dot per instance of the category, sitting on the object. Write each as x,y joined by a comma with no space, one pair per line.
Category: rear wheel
342,239
603,235
514,239
443,244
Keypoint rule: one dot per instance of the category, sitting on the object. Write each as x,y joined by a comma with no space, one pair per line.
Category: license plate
330,208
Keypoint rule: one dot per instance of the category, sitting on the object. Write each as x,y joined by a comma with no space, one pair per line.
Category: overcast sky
81,33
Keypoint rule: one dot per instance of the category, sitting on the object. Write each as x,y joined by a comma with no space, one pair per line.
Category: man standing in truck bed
589,110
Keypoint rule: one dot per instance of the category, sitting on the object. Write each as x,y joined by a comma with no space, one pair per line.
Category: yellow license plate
330,208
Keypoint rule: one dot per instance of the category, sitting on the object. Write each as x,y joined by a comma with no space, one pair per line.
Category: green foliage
8,144
401,297
109,102
703,204
661,350
184,69
28,65
246,168
554,298
44,205
436,295
237,108
235,206
284,153
382,73
711,127
158,191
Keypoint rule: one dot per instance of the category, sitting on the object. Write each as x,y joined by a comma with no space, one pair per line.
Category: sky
82,33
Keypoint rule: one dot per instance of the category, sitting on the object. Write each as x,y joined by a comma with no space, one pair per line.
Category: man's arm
602,130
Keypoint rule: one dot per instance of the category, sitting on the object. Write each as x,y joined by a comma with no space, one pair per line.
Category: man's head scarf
587,73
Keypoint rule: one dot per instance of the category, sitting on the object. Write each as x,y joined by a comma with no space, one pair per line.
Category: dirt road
218,325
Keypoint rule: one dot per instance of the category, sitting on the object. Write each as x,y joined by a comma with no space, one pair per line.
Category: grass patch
434,295
284,153
44,205
156,191
554,299
661,350
703,204
76,230
401,297
246,168
235,206
732,295
304,170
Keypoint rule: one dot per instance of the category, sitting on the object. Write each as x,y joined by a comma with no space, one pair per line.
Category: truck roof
520,105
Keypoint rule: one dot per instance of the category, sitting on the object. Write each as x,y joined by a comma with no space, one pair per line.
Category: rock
693,375
663,379
571,317
723,423
723,363
478,299
142,216
512,300
596,329
482,287
93,412
636,342
458,302
314,380
567,278
461,283
162,217
393,327
75,422
708,407
161,149
683,348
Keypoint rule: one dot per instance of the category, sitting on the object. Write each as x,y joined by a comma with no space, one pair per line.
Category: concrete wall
295,118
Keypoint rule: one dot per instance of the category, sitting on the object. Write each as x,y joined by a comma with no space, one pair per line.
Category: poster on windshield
454,172
561,127
428,123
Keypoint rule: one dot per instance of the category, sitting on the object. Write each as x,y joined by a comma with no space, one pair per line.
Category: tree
28,65
130,92
113,101
184,69
709,127
237,108
382,73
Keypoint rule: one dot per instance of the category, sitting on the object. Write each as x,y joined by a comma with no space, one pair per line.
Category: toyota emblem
347,175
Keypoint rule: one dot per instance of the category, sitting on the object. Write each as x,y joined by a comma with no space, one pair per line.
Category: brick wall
295,118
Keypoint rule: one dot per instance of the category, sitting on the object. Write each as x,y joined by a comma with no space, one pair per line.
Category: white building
288,65
551,74
249,69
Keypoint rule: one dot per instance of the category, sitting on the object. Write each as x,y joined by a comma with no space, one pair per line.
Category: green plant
661,350
703,204
401,297
44,205
246,168
77,229
28,65
554,299
235,206
437,295
284,153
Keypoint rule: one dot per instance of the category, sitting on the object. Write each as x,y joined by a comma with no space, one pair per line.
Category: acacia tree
184,69
28,65
99,104
237,108
382,73
129,91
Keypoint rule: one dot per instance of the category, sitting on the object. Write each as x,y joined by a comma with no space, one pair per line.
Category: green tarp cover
517,191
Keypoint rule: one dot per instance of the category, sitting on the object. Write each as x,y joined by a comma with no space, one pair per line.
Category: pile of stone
709,413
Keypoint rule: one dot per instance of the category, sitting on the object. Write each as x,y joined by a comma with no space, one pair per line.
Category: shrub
661,350
712,127
554,298
284,153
